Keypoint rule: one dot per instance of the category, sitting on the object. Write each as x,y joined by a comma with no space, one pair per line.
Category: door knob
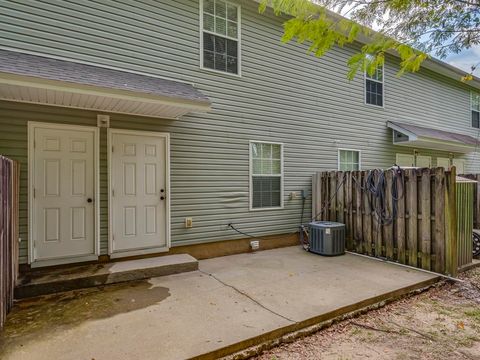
89,200
162,198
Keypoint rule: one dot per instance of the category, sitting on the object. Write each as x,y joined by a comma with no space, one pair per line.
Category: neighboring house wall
283,96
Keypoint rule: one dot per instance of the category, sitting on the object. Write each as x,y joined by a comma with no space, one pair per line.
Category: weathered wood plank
367,218
400,222
451,224
411,205
349,211
388,228
425,228
340,197
358,215
439,239
332,198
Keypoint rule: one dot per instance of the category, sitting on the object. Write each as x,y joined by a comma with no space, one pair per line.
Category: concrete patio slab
48,281
230,303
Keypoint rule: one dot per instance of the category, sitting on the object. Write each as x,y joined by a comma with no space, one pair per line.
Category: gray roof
421,131
71,72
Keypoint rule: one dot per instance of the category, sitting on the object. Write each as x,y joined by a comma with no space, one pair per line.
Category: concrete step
49,281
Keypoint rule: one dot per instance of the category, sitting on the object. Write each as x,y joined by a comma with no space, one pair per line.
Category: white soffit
33,90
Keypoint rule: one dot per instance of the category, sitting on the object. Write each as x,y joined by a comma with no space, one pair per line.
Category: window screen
348,160
475,107
266,172
220,36
374,87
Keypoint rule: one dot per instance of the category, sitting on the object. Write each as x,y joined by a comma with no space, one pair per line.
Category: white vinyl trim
353,150
250,175
32,125
110,133
238,39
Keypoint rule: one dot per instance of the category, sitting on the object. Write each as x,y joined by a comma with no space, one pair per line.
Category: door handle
162,197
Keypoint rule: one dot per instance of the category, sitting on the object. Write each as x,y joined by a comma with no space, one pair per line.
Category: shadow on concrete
40,316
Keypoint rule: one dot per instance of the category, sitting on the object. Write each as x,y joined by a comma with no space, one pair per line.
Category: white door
139,191
424,161
63,185
459,165
405,160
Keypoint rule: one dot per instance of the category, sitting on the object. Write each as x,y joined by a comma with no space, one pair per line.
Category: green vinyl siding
282,96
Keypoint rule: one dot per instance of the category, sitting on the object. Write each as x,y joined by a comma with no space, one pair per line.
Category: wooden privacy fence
476,199
408,216
9,200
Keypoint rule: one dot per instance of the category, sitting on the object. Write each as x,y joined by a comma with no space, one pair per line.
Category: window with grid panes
266,172
475,107
348,160
220,36
374,87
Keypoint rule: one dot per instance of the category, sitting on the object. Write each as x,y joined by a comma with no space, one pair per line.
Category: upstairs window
266,175
475,107
220,36
348,160
374,87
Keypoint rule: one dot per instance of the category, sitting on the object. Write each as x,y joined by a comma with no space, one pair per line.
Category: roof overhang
421,137
39,79
35,90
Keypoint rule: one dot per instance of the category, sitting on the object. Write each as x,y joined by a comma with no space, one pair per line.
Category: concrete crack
247,296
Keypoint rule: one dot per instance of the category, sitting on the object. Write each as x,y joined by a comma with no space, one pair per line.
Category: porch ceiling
429,138
41,80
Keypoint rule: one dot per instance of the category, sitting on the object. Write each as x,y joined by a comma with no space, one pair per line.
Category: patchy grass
442,323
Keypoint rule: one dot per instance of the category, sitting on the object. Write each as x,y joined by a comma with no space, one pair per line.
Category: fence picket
411,205
388,228
9,197
439,239
400,221
340,213
358,216
425,224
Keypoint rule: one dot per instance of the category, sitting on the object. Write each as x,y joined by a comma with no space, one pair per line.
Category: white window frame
359,157
472,94
238,39
365,78
250,155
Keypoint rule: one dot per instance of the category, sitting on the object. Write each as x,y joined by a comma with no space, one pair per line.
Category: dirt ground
441,323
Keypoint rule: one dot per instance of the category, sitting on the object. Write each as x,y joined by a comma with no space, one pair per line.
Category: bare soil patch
441,323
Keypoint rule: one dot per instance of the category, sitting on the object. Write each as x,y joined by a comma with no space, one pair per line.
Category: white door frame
166,136
32,125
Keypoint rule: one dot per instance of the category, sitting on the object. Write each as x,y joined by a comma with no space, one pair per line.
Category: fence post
451,223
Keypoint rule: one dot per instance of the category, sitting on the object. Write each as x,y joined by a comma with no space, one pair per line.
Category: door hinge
34,144
112,148
113,192
34,193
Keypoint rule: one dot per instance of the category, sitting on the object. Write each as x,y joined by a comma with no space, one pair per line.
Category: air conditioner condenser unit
326,238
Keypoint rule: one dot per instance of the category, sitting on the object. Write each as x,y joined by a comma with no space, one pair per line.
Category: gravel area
441,323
